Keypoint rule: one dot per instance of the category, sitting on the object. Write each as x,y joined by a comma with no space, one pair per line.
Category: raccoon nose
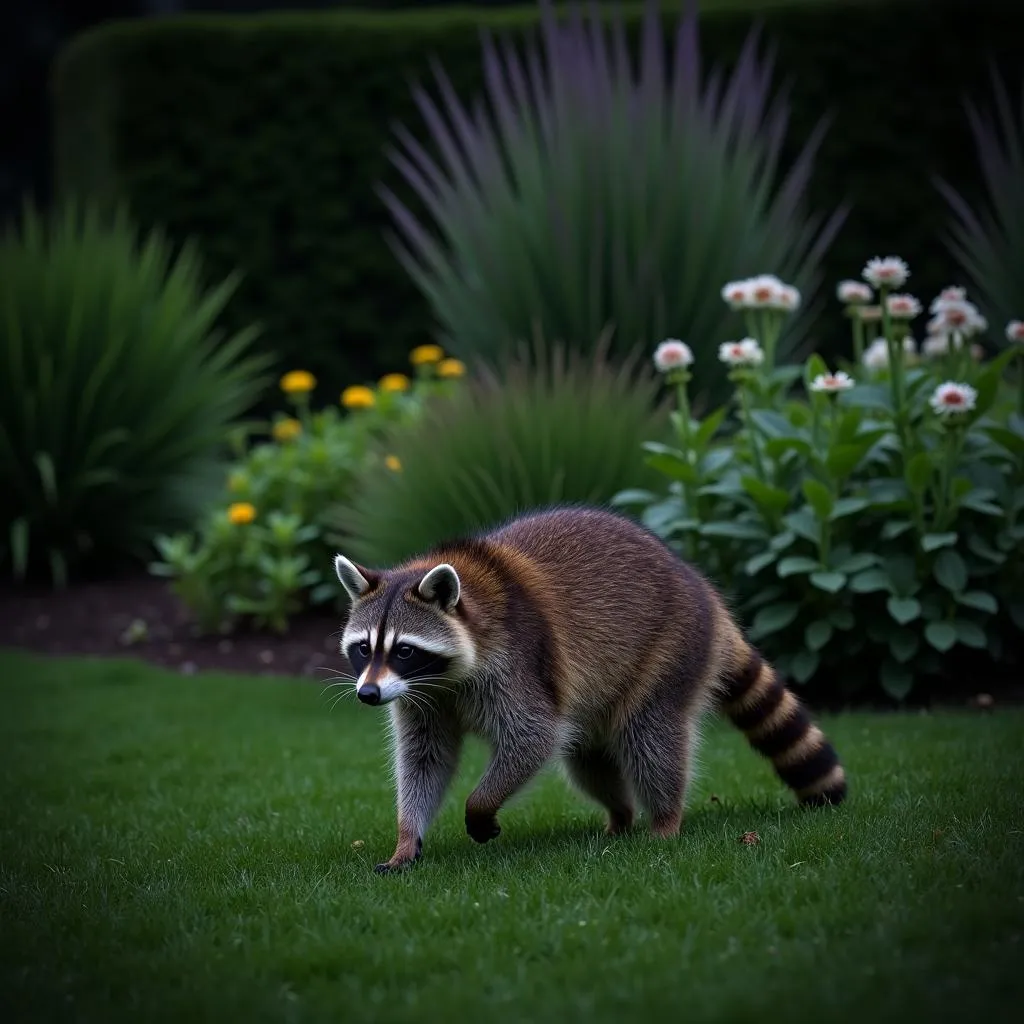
369,693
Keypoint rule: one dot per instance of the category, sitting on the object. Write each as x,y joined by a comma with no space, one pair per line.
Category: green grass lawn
193,849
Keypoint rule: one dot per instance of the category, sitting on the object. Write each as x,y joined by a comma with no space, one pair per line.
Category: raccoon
569,633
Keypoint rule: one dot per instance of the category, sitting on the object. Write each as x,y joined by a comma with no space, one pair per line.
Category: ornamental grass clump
870,526
118,390
987,239
260,556
585,189
549,426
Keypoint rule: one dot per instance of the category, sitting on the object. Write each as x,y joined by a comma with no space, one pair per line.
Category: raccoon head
403,630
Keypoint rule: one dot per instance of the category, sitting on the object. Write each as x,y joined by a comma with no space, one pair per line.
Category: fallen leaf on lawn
750,838
358,844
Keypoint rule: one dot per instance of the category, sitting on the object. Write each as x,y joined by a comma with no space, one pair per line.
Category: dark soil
139,616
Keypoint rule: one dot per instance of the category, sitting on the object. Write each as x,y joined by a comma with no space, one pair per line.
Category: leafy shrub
682,188
989,242
117,389
260,555
547,427
872,528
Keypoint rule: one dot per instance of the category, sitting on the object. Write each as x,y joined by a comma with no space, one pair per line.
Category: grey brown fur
568,633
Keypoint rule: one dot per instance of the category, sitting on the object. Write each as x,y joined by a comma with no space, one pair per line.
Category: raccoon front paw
400,860
482,827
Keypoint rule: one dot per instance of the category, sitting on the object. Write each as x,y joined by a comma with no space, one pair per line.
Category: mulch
138,615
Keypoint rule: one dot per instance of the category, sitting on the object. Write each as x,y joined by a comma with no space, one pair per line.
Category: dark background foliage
265,138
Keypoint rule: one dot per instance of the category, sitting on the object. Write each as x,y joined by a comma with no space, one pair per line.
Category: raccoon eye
364,649
403,651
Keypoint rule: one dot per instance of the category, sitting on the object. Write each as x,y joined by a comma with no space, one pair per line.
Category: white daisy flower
741,353
832,382
1015,330
737,294
876,355
854,293
948,295
956,316
765,291
952,399
902,307
672,354
891,272
787,299
935,345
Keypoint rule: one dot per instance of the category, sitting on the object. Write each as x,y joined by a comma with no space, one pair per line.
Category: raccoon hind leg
656,745
597,773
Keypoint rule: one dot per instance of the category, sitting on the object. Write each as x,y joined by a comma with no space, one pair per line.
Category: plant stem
858,338
752,434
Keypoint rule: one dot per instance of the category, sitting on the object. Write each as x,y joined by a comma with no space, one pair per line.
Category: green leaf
904,644
919,472
895,528
902,570
903,609
777,447
832,582
897,680
772,424
1017,613
870,581
803,523
804,665
977,503
709,426
979,599
848,506
782,540
941,635
857,563
981,547
842,618
772,618
950,570
672,465
934,541
19,547
819,497
758,562
818,634
734,530
843,459
771,500
797,564
634,496
1009,439
970,634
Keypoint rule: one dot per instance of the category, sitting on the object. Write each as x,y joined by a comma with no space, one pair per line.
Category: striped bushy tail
778,726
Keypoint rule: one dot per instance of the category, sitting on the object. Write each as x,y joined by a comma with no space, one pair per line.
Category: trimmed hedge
265,137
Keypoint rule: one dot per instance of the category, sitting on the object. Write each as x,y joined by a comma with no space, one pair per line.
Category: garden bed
96,618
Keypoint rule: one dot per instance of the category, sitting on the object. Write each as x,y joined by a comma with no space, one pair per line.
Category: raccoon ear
354,578
441,585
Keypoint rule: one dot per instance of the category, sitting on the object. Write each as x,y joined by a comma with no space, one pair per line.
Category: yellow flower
241,512
237,481
287,430
451,368
394,382
298,382
426,354
358,397
393,463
